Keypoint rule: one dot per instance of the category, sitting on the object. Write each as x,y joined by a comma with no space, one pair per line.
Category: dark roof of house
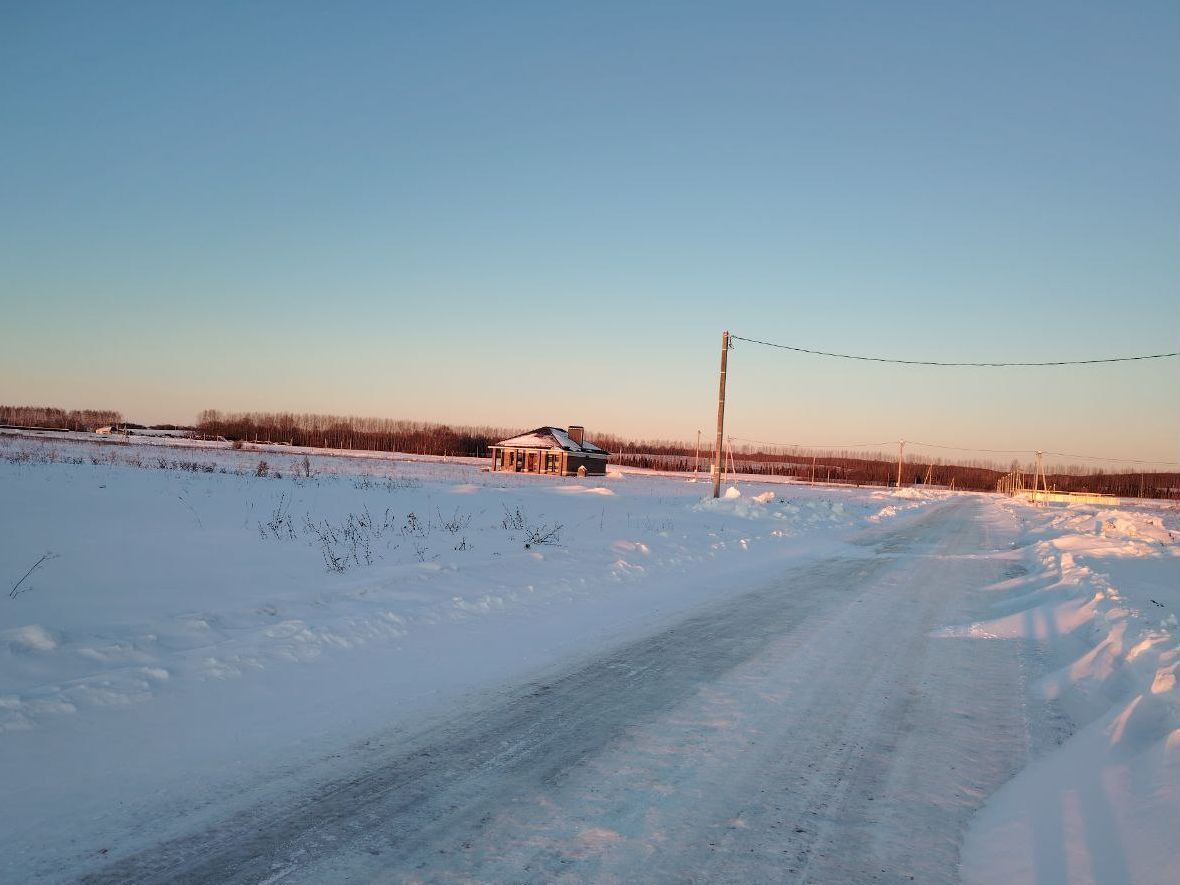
550,438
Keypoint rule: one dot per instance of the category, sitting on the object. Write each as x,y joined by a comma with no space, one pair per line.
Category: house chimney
576,433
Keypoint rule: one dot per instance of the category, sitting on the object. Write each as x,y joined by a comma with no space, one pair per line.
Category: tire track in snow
936,727
850,752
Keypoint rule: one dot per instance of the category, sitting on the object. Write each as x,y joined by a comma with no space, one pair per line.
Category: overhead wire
914,442
762,442
1111,460
995,364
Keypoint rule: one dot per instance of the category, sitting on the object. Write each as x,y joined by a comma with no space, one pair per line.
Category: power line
1055,454
878,359
963,449
911,442
762,442
890,442
1111,460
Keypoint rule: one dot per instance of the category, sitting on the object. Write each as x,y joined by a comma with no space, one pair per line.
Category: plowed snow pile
1100,596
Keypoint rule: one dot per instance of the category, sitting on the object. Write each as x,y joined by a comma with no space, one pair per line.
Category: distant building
140,430
550,450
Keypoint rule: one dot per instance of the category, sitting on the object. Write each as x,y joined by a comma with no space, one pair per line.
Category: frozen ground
367,673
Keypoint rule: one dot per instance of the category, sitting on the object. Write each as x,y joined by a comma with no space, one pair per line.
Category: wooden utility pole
696,461
900,452
719,453
813,469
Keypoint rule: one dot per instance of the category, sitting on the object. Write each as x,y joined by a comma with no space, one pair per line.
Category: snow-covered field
195,633
199,638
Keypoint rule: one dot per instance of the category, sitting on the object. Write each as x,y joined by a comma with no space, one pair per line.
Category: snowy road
818,729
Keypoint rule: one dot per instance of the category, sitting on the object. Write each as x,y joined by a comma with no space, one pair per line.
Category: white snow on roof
548,438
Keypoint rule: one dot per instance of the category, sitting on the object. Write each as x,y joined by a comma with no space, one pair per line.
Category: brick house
550,450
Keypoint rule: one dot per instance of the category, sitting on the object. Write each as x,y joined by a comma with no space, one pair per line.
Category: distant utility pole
696,461
900,452
1039,480
718,450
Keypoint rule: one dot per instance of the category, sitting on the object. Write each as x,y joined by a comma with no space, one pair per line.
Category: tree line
53,418
880,469
1121,484
353,432
834,468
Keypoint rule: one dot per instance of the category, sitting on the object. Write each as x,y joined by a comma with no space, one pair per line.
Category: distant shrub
542,534
514,520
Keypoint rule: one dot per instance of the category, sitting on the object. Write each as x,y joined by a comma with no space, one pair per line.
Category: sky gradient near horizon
528,213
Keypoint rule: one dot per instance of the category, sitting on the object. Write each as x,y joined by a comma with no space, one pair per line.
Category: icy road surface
817,729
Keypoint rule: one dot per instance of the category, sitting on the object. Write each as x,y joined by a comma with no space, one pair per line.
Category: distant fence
1067,497
37,429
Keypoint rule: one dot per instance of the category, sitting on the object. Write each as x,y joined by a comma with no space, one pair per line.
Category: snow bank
912,494
813,507
1100,597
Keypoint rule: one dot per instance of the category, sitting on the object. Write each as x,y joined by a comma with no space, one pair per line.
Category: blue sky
526,213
